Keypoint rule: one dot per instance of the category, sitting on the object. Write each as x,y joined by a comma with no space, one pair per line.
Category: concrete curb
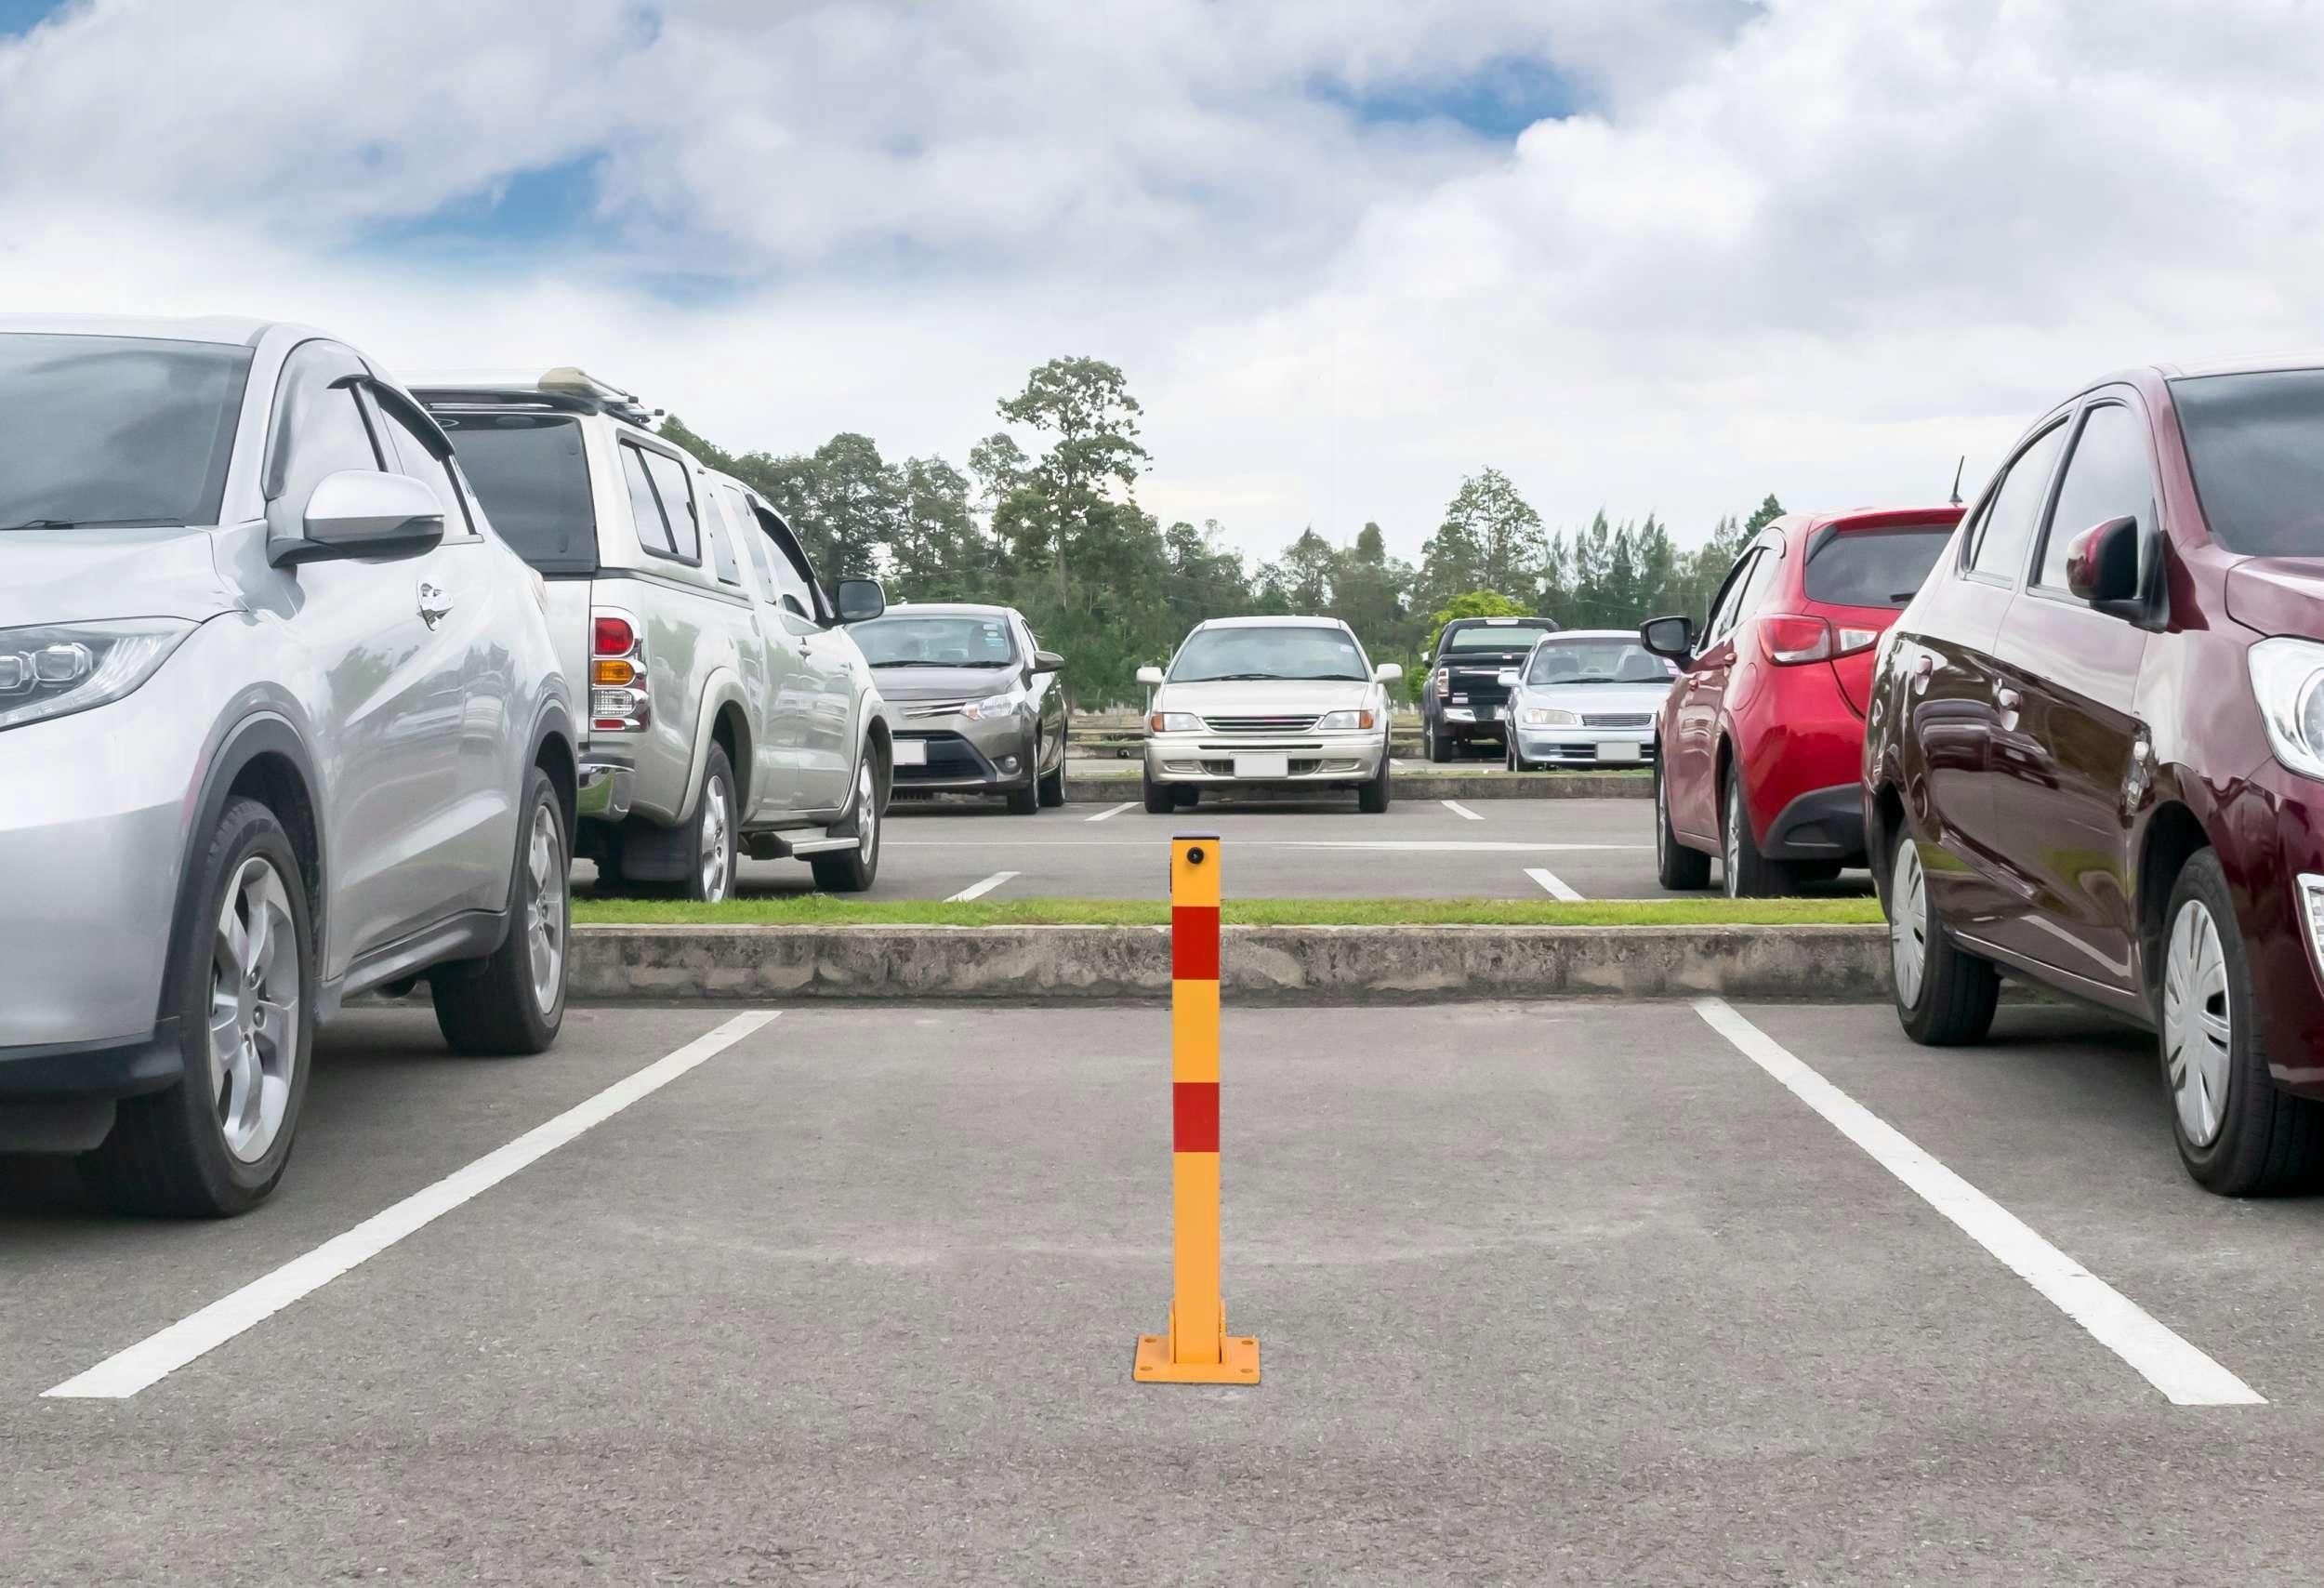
1260,964
1086,788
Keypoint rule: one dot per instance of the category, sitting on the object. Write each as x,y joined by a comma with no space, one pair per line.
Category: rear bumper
1824,824
605,791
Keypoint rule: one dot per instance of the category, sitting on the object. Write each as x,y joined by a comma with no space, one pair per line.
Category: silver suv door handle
434,606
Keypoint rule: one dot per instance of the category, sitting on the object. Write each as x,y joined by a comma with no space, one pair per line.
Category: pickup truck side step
783,846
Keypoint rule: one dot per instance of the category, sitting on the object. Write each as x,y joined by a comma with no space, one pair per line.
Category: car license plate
1262,767
1617,750
911,752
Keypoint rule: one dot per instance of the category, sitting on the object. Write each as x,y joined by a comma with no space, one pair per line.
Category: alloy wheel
1662,825
2197,1024
718,840
253,1009
1908,923
1731,842
866,813
545,870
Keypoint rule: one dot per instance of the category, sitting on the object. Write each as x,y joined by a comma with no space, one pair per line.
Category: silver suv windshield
900,640
108,431
1290,652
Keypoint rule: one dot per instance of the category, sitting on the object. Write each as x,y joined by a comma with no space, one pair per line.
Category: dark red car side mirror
2102,564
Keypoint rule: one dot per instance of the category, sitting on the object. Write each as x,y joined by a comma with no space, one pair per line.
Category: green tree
939,552
1063,504
1491,539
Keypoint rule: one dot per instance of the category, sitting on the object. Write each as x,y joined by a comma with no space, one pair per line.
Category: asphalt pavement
1494,849
1582,1293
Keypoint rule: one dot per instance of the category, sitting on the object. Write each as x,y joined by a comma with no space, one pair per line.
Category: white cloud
1817,249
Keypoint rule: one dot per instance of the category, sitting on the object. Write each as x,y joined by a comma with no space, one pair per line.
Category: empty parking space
1567,1290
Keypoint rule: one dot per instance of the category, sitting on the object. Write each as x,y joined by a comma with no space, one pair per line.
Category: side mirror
1507,677
361,512
2102,565
1150,677
1388,673
1048,662
1673,637
859,600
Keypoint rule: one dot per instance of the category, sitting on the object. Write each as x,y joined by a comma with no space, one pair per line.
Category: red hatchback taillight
1791,640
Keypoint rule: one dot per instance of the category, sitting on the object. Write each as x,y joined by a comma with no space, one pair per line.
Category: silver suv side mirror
361,512
1508,678
1388,673
859,600
1150,677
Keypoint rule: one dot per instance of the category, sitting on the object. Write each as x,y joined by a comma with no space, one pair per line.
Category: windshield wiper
1226,678
908,662
96,524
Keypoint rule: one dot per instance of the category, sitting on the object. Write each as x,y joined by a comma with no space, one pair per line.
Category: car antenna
1957,469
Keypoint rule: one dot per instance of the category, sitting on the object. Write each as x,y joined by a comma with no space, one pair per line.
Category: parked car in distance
2095,753
1585,698
980,707
281,723
1762,736
1268,701
1465,699
728,710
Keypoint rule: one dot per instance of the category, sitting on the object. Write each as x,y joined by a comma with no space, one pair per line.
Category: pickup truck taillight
617,692
1444,683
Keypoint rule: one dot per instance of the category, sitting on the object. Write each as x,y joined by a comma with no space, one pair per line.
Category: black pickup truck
1463,698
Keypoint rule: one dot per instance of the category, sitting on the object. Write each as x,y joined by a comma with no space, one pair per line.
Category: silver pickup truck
728,710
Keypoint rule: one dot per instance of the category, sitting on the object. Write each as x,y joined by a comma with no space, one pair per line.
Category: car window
1722,605
2106,477
1252,650
2252,444
319,427
756,550
794,586
1874,567
1756,586
671,478
653,531
415,456
529,472
2014,507
715,523
1511,635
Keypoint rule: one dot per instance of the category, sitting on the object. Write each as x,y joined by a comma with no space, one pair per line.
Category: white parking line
1458,809
981,889
1111,811
1436,845
154,1358
2184,1375
1552,883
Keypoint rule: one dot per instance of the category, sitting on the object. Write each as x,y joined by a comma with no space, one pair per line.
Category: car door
1694,783
1956,693
775,780
1049,695
740,613
468,672
822,732
2068,750
386,753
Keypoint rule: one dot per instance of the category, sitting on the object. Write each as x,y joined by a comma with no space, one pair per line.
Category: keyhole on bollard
1194,855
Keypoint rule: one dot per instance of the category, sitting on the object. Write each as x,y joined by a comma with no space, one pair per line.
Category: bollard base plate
1238,1363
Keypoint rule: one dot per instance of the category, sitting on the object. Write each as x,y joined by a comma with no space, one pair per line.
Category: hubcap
1731,842
866,813
2195,1027
544,868
1662,824
718,840
1908,923
254,1009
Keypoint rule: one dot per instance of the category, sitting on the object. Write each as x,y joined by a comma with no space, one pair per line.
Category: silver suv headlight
59,668
2288,679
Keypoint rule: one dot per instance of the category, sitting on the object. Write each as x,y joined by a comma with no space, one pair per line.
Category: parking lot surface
1599,849
1576,1292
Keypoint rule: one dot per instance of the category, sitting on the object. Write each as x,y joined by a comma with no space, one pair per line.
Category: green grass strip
822,910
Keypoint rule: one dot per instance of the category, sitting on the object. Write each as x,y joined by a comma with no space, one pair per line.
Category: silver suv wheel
718,838
545,933
254,1009
866,811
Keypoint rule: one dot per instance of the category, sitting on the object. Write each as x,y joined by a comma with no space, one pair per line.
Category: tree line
1057,533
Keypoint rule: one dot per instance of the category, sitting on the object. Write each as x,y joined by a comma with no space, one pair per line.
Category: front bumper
1579,747
1212,758
994,756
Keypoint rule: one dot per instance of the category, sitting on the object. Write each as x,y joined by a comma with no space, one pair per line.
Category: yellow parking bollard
1197,1349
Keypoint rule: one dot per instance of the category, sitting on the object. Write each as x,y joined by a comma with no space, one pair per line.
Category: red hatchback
1762,736
2096,751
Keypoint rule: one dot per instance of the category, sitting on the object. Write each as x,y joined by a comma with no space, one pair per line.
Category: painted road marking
2184,1375
156,1356
1552,883
1111,811
981,889
1444,845
1458,809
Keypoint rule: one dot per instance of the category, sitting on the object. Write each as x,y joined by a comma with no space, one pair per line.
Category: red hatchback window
1874,567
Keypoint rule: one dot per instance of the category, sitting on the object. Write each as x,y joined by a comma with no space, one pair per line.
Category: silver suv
280,722
728,708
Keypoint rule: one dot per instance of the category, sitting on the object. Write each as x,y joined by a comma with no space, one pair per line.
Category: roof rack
565,389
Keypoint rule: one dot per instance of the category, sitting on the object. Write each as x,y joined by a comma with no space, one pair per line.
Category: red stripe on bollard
1194,943
1195,1116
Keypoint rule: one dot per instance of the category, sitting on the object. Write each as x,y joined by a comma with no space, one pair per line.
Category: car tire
1944,997
717,848
2239,1134
513,1000
1745,872
1676,867
1159,801
855,870
1372,798
174,1153
1053,785
1439,747
1185,796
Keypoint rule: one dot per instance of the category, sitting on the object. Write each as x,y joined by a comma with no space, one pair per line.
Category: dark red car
2096,750
1762,736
